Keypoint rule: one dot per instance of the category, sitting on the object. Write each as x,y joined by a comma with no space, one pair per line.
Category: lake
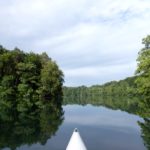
101,129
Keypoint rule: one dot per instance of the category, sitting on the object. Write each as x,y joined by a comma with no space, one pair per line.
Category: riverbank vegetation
28,81
125,87
143,74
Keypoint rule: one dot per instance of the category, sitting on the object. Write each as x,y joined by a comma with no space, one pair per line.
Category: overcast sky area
93,41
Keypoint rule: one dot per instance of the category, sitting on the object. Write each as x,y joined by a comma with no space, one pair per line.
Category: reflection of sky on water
89,115
103,128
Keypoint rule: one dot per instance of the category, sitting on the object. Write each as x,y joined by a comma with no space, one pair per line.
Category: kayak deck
76,142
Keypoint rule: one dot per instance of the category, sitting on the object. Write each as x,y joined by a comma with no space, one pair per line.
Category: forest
28,82
126,87
115,95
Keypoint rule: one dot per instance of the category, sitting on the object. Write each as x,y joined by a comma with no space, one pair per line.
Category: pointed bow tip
75,130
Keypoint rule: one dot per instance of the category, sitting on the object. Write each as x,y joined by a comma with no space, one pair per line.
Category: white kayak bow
76,142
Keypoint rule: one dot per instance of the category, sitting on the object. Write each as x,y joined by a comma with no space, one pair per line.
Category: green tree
27,81
51,82
143,73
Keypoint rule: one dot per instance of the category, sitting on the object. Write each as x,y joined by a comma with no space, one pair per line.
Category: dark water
101,129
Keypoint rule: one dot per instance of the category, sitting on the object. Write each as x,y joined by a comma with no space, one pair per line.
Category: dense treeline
28,81
127,104
125,87
115,95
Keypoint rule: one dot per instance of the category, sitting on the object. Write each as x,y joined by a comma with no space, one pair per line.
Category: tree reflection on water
29,128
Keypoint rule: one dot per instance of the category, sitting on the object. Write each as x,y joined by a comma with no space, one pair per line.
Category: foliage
122,88
115,95
143,86
28,81
123,103
143,76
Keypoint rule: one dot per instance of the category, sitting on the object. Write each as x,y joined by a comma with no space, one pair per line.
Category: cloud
96,39
99,74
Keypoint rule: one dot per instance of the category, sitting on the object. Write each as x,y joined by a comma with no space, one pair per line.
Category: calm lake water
101,129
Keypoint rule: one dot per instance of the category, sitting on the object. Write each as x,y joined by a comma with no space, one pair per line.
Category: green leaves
146,42
30,78
143,73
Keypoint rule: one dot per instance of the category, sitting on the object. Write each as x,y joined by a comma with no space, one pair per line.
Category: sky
92,41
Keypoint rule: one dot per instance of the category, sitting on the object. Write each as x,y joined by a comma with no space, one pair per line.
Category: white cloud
86,38
111,9
99,74
102,71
